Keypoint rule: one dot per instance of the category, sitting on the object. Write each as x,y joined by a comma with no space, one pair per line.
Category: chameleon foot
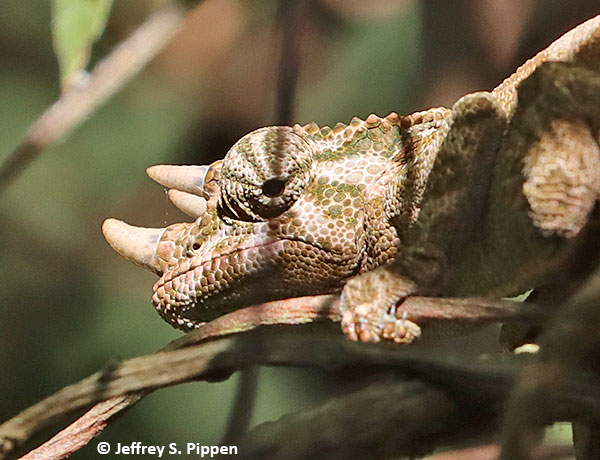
368,307
388,328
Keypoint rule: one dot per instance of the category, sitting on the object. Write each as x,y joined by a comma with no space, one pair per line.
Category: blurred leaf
76,25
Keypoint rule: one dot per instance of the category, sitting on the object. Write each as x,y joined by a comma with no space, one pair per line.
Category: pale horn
193,205
187,178
136,244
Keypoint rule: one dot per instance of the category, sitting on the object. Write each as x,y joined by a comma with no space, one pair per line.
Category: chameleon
488,198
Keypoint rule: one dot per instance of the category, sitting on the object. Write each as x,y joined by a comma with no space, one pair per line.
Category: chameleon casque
487,198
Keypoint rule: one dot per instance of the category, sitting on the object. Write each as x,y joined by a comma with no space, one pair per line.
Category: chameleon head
281,215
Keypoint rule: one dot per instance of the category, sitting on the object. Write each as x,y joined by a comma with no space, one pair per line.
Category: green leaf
76,25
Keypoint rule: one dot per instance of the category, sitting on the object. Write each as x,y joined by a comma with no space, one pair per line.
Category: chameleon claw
404,316
392,311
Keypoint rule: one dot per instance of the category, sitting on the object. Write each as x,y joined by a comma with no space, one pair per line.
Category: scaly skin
485,198
333,192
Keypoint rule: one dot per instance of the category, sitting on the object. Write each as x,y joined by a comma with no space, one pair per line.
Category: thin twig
242,408
290,13
107,78
82,431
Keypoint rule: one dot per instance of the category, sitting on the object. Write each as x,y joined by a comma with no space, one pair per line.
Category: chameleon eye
196,246
264,173
273,188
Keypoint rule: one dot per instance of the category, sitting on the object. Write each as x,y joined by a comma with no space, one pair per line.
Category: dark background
68,303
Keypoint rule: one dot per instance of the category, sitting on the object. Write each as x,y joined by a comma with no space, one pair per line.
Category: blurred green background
68,303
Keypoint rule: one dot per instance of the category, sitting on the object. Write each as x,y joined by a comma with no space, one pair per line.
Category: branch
477,389
107,78
410,416
492,452
163,371
388,419
569,343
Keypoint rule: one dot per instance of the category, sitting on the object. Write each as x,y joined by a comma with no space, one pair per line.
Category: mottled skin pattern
310,238
485,198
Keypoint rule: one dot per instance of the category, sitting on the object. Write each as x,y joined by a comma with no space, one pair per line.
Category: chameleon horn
190,179
193,205
136,244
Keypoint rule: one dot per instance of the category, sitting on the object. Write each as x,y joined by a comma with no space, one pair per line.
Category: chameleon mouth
201,290
214,262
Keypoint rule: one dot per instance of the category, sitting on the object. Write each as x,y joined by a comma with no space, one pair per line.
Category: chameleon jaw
215,283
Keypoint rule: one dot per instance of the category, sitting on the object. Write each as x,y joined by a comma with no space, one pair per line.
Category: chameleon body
485,198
